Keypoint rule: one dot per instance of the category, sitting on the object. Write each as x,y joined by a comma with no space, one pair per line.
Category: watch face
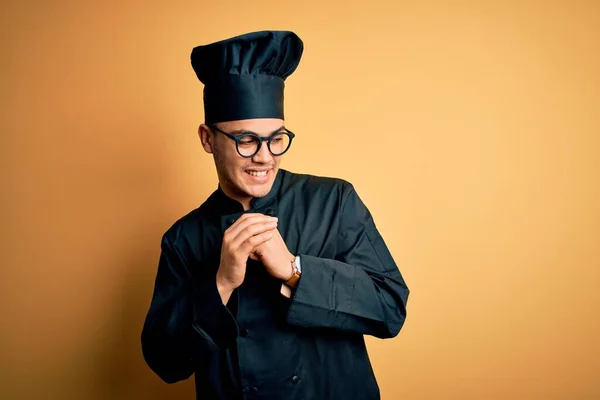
297,267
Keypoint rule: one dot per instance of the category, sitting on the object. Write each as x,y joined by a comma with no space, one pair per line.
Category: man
266,290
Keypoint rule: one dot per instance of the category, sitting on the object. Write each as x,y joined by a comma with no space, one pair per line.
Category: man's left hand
275,256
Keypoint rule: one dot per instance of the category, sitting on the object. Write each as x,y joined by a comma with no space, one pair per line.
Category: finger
251,231
251,227
246,220
243,222
254,241
259,248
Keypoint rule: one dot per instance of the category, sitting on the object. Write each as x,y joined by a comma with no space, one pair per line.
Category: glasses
248,144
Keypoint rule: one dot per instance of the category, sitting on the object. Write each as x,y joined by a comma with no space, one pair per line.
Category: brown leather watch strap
293,281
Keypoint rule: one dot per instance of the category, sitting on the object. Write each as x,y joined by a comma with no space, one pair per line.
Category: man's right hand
239,240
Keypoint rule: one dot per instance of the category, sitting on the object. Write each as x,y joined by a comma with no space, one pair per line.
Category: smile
258,174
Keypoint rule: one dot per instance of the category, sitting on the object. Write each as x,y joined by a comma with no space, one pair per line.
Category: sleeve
361,290
187,323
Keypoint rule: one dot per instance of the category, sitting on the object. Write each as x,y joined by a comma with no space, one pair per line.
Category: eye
247,140
279,136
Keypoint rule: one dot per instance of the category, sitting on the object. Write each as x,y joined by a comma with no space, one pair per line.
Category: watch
297,270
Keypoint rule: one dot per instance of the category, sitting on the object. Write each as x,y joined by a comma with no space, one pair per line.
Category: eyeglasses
248,144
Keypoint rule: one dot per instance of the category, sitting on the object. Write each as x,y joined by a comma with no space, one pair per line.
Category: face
243,178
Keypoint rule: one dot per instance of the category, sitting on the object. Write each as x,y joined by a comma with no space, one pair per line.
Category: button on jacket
262,345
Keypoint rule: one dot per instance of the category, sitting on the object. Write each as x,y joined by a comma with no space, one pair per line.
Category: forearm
338,295
167,339
186,331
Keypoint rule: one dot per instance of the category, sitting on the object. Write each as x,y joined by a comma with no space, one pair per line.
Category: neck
243,200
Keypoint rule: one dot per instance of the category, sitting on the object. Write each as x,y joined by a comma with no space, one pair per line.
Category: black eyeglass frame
268,139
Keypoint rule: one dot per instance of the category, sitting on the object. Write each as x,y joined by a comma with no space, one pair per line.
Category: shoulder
335,196
191,223
313,183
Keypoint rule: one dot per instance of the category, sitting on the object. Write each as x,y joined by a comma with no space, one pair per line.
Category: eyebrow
242,131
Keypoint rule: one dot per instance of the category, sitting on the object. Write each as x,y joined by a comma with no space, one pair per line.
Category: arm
187,322
362,290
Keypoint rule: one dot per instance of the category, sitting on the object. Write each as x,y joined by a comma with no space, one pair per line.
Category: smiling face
242,178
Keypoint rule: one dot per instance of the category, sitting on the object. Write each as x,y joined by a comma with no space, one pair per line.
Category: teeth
257,173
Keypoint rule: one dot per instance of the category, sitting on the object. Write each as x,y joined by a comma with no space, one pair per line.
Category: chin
259,191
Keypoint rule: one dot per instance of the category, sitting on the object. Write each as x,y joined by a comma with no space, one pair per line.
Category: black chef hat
244,76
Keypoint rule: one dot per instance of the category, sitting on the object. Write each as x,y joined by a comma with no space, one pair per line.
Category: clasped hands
252,236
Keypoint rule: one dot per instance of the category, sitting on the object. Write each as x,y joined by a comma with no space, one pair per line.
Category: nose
263,156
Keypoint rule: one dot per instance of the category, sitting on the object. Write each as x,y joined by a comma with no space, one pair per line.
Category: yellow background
470,129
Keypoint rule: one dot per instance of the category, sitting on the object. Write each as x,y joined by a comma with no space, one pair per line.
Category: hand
239,240
275,256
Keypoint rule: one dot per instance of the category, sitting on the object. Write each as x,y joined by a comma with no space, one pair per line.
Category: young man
266,290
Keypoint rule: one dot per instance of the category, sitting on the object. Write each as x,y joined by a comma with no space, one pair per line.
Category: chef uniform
262,344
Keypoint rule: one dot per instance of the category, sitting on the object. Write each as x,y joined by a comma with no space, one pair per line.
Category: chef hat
244,76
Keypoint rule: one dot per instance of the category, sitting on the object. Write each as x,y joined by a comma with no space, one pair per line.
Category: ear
206,137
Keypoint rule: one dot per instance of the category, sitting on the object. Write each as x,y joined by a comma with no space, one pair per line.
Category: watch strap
293,281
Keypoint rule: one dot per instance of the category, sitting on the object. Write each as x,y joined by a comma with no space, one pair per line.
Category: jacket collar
227,205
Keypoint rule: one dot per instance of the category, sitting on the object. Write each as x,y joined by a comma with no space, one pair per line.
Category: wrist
224,284
295,273
287,271
225,291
